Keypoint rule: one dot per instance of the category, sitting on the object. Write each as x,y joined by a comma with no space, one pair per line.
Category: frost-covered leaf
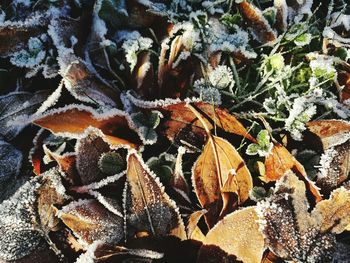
292,232
16,108
254,17
19,235
72,121
100,252
113,12
147,207
218,173
15,37
10,163
90,221
50,193
111,163
89,151
146,124
238,234
280,161
343,78
192,229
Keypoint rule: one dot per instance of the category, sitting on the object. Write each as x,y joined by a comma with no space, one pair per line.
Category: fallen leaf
147,207
73,120
10,163
280,161
343,78
257,21
16,108
50,194
238,234
211,173
91,221
292,232
192,229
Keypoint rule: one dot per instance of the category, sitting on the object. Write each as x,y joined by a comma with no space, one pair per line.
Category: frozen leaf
50,194
238,234
292,232
16,108
90,221
146,124
89,151
14,37
110,203
263,146
19,235
220,170
330,132
111,163
281,14
192,229
10,163
254,17
100,252
333,136
73,120
343,78
280,161
114,12
147,207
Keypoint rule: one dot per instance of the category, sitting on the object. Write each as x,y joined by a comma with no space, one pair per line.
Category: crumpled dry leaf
90,221
279,161
72,121
16,108
238,234
148,209
334,138
293,233
50,194
212,180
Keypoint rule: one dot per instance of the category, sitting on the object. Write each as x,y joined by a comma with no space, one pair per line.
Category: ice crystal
300,113
30,57
133,45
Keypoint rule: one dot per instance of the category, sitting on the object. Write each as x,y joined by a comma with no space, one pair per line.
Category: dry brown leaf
292,232
279,161
181,118
148,209
211,173
257,21
238,234
281,15
74,120
330,132
50,193
334,136
193,231
90,221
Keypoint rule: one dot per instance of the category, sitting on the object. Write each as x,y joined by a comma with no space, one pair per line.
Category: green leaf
263,139
114,12
252,149
111,163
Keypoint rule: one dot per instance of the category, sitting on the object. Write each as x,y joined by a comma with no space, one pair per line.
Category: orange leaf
211,172
148,209
193,231
238,234
279,161
256,20
73,120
